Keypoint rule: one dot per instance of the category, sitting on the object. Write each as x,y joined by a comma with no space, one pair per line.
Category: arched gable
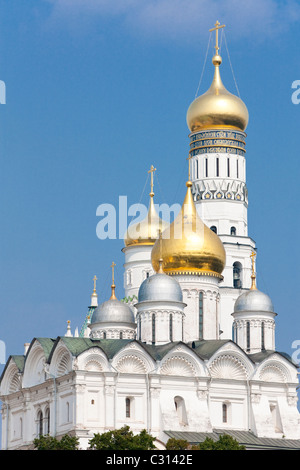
182,361
11,380
133,359
230,362
35,363
61,360
93,360
276,369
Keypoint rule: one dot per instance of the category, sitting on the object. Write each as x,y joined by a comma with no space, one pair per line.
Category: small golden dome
146,232
217,108
188,246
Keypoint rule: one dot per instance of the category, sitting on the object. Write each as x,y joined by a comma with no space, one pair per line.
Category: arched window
206,167
171,327
47,421
121,334
248,335
104,334
224,413
217,166
128,407
237,275
213,228
200,315
263,336
140,328
40,423
153,328
233,231
181,410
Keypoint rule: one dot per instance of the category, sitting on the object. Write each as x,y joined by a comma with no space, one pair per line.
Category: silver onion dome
160,287
113,311
253,301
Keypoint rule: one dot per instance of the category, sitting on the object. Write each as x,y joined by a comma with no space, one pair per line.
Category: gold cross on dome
253,256
113,272
151,171
216,29
95,279
253,275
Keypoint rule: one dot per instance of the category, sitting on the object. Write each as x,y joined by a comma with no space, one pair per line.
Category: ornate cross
113,272
216,28
95,279
152,170
253,275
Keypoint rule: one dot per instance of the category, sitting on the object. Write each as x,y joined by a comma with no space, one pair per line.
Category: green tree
176,444
122,439
225,442
52,443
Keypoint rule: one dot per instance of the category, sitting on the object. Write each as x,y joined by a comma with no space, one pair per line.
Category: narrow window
237,275
104,335
237,168
127,406
233,231
48,421
217,166
153,328
197,168
121,334
224,413
40,424
140,329
248,336
213,228
171,327
228,167
180,410
206,167
263,336
200,315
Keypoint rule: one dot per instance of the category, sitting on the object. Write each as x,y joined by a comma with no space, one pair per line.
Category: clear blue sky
97,91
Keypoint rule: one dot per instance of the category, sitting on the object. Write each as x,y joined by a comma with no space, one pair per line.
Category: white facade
175,387
191,354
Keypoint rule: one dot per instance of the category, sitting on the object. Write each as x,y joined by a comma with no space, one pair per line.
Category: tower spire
253,275
113,287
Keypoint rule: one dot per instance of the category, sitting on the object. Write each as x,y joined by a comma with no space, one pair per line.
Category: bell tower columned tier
217,121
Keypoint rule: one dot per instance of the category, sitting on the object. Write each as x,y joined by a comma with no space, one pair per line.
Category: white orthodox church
190,351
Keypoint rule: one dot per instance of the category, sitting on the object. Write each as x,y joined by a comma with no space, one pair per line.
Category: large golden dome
217,108
188,246
146,232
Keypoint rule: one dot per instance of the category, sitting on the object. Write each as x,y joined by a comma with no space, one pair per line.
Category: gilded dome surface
188,245
146,231
217,108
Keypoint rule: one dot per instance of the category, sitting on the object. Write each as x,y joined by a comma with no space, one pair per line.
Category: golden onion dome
217,108
146,231
188,246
